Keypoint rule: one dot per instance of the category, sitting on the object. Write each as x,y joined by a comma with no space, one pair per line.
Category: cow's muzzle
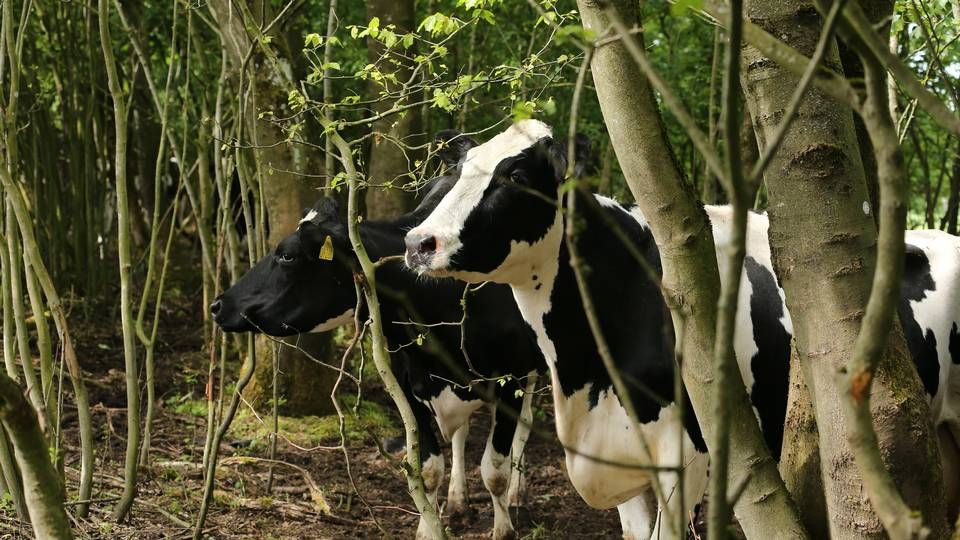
421,249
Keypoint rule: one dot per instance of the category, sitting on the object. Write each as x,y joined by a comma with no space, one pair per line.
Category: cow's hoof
457,509
504,534
394,445
459,516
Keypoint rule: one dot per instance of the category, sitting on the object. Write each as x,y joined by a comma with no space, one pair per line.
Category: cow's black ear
584,160
452,146
325,210
550,156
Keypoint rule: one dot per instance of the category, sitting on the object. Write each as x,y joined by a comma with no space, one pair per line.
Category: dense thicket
171,136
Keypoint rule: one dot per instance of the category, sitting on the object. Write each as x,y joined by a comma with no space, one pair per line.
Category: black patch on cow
955,344
633,315
516,206
510,401
917,281
771,364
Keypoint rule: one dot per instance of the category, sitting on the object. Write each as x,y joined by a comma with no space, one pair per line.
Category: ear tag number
326,251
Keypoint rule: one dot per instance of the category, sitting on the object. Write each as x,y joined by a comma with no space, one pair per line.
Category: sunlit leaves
439,24
296,100
523,110
312,41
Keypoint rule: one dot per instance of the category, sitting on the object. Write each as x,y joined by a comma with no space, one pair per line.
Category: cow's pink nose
420,249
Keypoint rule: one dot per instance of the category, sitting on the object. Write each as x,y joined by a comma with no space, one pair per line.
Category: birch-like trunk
825,259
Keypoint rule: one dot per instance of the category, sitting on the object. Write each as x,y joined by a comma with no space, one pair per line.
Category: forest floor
170,488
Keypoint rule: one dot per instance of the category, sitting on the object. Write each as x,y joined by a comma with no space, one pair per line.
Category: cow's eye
517,176
286,258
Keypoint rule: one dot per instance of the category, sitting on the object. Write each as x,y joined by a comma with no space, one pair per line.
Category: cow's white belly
606,432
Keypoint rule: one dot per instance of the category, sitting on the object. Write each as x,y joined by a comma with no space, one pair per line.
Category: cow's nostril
427,245
215,307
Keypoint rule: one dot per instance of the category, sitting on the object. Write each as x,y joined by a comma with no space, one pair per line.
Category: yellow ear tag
326,251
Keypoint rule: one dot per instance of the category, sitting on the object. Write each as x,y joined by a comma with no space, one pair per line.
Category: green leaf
523,110
312,40
549,106
680,7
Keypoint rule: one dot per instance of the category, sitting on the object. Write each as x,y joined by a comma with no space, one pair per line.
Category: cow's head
304,285
501,214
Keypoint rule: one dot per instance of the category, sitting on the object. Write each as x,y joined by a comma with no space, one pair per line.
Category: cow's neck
632,311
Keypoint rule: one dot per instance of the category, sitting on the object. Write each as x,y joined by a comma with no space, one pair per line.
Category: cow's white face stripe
476,172
311,215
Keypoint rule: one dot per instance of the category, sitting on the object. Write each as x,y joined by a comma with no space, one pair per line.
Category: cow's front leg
457,501
694,486
637,516
496,463
518,479
431,459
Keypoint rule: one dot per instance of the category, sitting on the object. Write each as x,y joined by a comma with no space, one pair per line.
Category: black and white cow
306,285
501,223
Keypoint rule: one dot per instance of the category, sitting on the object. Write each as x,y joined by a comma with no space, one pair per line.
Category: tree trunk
878,11
388,162
825,260
689,269
800,456
303,385
42,486
949,221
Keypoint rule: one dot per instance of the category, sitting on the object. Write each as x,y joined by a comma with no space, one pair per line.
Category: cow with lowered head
501,222
307,285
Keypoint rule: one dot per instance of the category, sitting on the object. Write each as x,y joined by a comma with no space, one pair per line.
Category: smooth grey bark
824,260
42,486
304,385
689,269
388,163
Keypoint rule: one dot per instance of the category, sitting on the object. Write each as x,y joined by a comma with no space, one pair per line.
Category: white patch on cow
607,432
758,248
634,211
866,208
637,516
451,412
607,202
457,491
311,215
336,322
432,470
447,219
495,471
937,312
637,214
